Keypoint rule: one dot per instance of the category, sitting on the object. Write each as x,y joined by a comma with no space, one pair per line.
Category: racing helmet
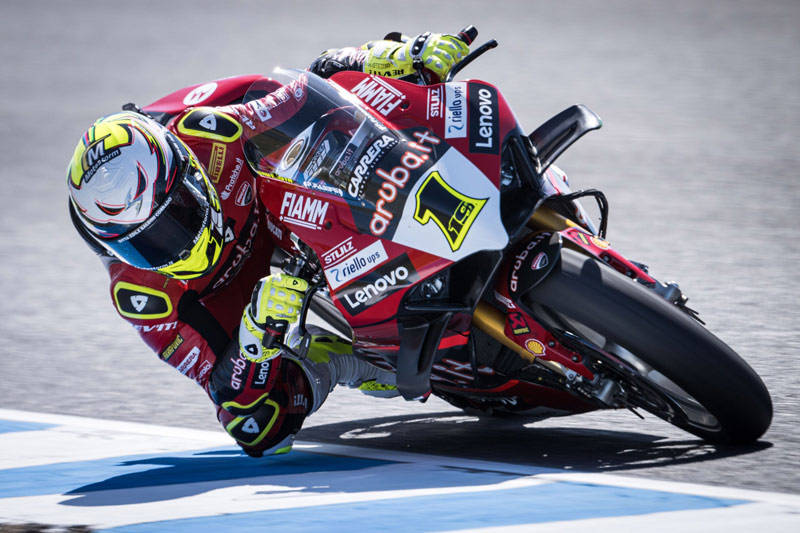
142,195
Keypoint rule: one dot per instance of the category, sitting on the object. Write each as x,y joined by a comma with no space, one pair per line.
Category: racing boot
330,362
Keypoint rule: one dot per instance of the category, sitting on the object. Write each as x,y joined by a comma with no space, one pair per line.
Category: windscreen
328,142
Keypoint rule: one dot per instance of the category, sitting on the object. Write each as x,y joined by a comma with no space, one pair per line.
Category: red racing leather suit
192,325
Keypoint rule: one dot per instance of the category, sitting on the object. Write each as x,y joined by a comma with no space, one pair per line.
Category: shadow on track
510,440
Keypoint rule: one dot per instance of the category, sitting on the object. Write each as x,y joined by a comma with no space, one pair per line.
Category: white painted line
205,438
756,517
115,426
563,476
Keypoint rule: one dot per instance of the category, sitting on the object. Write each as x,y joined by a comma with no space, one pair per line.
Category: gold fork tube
544,218
492,322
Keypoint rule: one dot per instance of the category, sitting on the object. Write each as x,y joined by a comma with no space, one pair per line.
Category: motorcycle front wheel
684,374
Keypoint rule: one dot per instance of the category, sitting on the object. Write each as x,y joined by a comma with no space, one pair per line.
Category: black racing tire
591,294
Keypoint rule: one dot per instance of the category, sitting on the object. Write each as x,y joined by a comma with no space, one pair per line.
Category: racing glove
435,53
274,306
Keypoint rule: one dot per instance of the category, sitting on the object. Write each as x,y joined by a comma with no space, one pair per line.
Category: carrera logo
397,178
378,94
367,162
217,161
303,210
377,285
226,192
484,123
455,119
189,361
435,103
356,265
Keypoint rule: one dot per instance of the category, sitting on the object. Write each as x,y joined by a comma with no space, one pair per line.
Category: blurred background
698,157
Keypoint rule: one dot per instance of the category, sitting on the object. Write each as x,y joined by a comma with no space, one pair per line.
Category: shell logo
534,346
600,243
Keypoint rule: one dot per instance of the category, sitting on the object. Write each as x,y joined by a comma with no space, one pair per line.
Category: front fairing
400,184
407,196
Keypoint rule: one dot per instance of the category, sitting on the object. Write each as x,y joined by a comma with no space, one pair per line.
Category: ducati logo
539,262
138,301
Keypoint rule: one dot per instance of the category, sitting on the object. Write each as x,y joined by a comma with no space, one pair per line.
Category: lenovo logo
377,285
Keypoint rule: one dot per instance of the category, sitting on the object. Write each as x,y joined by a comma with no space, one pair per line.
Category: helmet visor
174,228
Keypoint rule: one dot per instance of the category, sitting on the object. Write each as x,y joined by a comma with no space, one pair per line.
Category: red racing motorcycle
442,239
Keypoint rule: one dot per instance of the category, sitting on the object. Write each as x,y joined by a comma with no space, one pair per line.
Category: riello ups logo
377,285
484,121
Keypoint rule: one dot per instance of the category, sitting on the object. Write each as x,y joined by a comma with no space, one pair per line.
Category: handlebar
468,34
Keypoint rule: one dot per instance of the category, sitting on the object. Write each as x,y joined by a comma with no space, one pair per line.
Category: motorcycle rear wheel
690,378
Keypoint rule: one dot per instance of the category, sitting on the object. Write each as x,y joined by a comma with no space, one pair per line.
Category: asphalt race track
698,157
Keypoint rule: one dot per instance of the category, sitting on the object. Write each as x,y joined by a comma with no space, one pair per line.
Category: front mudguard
530,262
532,259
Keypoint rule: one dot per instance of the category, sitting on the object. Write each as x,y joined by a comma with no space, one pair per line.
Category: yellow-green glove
274,306
435,52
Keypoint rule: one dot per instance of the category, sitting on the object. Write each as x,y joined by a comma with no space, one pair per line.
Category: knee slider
252,423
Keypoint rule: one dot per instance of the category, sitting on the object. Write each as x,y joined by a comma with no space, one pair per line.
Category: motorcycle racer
171,210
